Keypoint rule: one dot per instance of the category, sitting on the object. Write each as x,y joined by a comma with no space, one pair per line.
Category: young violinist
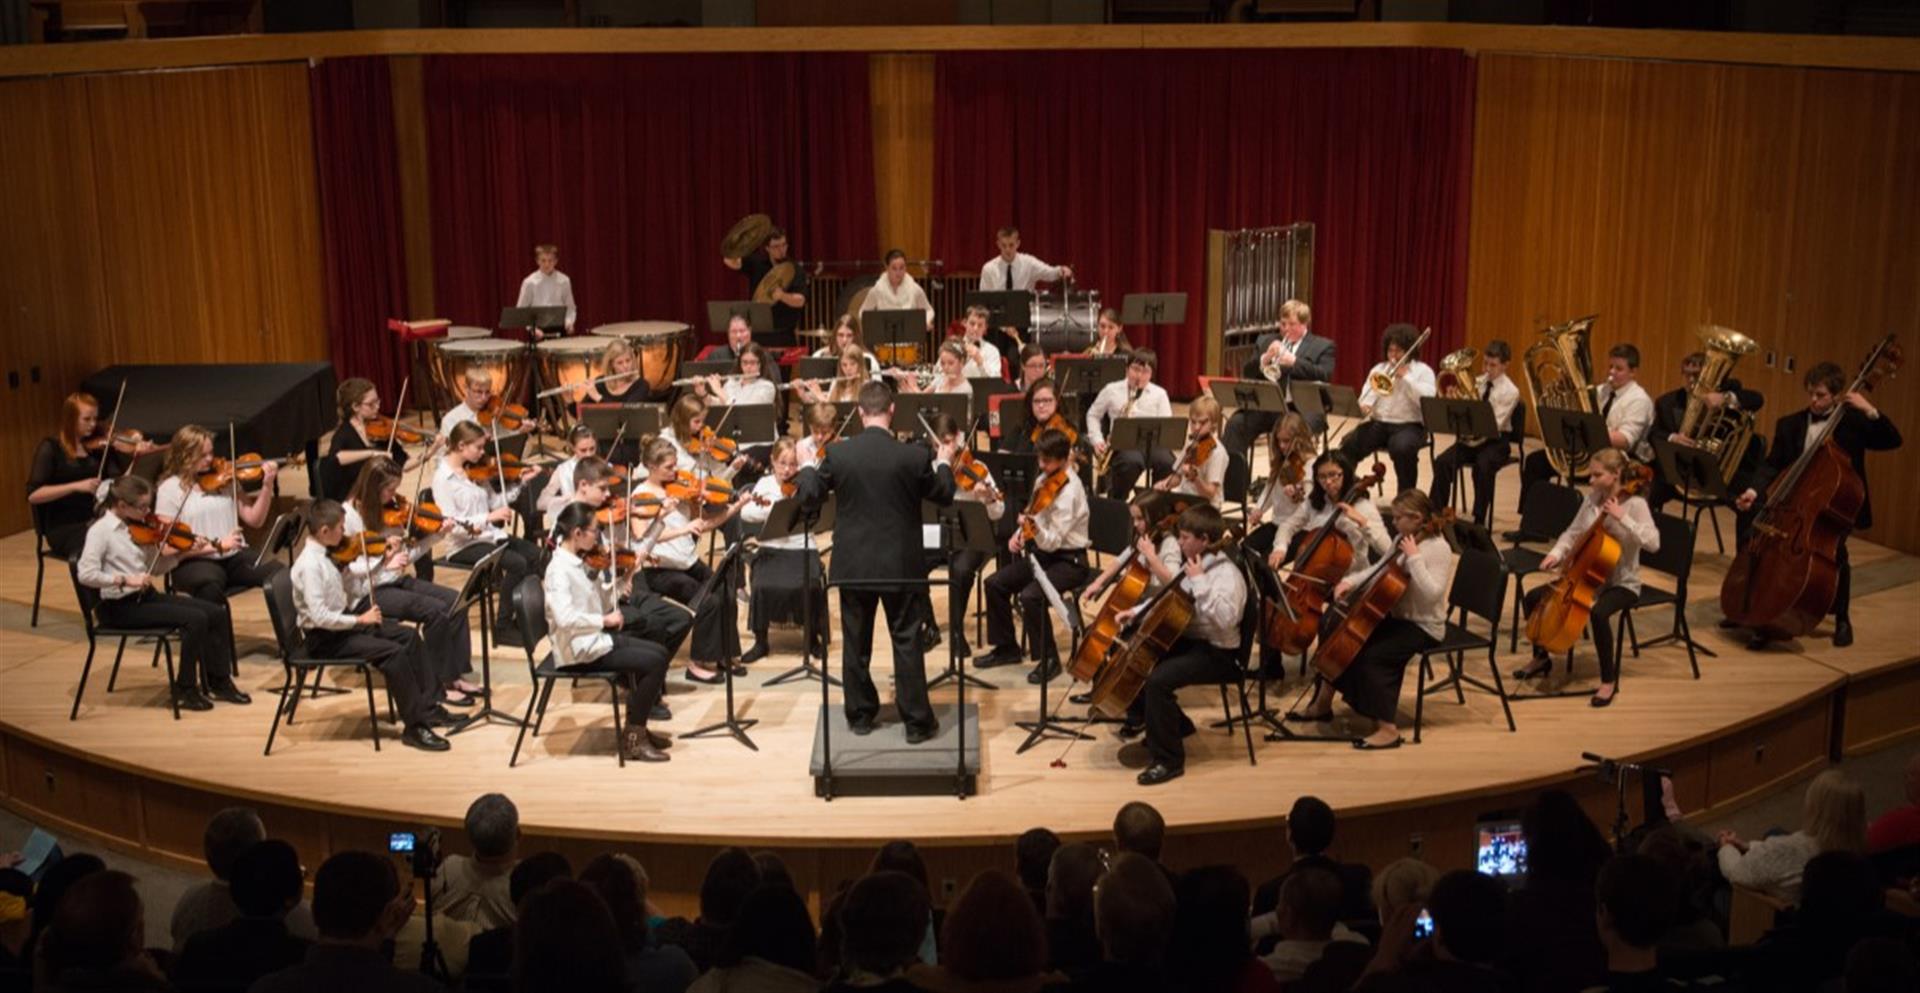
449,641
1056,518
67,474
1135,395
1484,455
1110,337
1202,469
337,626
786,573
1043,415
223,563
1862,429
1393,419
1204,653
973,481
1371,685
686,421
476,397
982,356
823,427
586,625
581,445
851,371
477,513
1624,405
677,571
1630,522
547,286
648,614
111,562
1291,449
352,443
749,382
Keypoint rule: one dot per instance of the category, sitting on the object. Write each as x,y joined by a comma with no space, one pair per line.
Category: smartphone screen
400,841
1423,925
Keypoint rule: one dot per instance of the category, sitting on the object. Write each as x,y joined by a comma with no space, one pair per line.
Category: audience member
1552,944
1841,903
1900,827
1401,888
730,877
1881,965
1685,856
1210,951
1835,820
904,856
53,889
1310,826
769,949
1403,882
650,966
1133,913
773,869
565,941
883,922
475,888
1467,909
210,904
490,953
992,940
265,883
1634,908
358,907
1032,854
16,926
1073,946
1306,921
97,940
1138,828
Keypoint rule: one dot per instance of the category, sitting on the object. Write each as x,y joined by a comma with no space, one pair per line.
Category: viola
366,545
151,531
384,429
504,416
249,469
1558,618
511,468
1043,497
1353,620
1317,569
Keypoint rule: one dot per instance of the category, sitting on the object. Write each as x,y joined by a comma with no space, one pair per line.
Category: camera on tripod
1611,770
422,849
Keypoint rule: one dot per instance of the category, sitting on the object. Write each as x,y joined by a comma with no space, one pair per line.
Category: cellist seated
1205,652
1415,622
1624,513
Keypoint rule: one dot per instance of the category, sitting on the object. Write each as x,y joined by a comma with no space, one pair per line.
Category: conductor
880,483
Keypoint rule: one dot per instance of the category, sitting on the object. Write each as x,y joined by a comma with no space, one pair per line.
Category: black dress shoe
190,698
1596,700
230,694
1044,671
1515,536
422,737
1842,634
1158,773
754,654
916,735
1757,643
713,680
929,637
1540,666
1128,731
455,698
739,671
1081,699
660,712
998,657
440,717
861,726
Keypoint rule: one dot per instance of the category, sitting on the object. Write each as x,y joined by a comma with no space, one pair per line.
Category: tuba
1559,371
1723,433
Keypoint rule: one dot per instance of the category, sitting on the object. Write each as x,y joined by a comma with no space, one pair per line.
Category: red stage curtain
1118,162
356,158
636,166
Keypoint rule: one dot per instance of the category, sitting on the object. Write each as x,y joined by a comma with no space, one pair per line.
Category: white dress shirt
737,392
211,515
1635,533
110,553
559,489
909,296
357,570
1402,406
1062,527
577,606
541,289
1631,414
998,275
1425,602
319,594
1112,400
1219,601
1277,505
460,414
1503,396
989,363
1369,543
807,450
680,553
682,459
767,493
1214,471
466,504
996,509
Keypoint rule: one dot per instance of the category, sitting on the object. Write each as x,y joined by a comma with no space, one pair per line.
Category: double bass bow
1350,622
1556,621
1290,623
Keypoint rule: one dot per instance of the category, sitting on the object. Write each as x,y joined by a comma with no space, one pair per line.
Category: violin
418,522
684,487
151,531
1043,497
511,468
1198,452
712,446
1291,626
384,429
1056,423
504,416
1557,620
368,544
645,506
127,441
611,514
1293,469
249,469
1352,621
599,558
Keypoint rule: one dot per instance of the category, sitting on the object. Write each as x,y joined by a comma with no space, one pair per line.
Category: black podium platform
883,764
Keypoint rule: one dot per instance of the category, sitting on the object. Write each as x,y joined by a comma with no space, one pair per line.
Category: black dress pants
1372,683
449,638
209,578
716,630
1484,460
905,610
1403,443
1187,663
203,642
642,665
1066,569
1128,464
652,617
1608,602
400,656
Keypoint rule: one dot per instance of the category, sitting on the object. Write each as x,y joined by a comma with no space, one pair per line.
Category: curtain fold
1118,162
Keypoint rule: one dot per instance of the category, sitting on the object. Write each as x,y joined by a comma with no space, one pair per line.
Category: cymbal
747,236
774,281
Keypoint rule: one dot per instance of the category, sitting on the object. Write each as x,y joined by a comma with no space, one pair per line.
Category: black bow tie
1813,418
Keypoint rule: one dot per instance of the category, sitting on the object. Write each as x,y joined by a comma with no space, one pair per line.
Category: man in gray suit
1294,354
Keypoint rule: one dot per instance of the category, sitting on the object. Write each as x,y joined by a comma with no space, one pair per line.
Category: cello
1557,620
1290,624
1782,583
1349,623
1127,587
1146,640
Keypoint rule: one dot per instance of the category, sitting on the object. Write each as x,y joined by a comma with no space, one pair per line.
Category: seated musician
586,626
1624,405
951,363
581,445
1862,429
1485,455
1630,522
1371,684
677,572
1137,395
350,447
895,290
1393,419
1357,522
476,397
1110,337
448,641
979,487
477,514
982,356
850,372
339,627
547,286
1043,415
1033,366
1670,415
67,474
786,572
1205,651
843,339
823,428
1057,517
1202,470
223,563
686,431
748,384
1291,447
648,615
625,384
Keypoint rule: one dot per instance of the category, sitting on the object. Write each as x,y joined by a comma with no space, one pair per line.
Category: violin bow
113,424
399,404
233,463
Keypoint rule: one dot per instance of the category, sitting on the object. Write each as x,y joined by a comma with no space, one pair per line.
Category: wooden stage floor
714,791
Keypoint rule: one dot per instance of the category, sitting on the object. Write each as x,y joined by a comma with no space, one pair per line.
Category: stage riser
1880,709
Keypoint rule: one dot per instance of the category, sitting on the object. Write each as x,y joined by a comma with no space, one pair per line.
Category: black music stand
1005,308
720,584
893,329
1462,419
1013,418
784,519
1145,434
912,411
1324,400
985,388
618,420
964,527
813,368
1153,308
544,318
1014,471
702,368
746,423
1688,469
482,580
720,313
1086,376
1044,725
1250,394
1575,434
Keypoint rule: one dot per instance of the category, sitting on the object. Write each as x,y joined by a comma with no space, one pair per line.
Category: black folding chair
1675,558
163,636
41,553
300,663
1550,507
1479,590
530,609
1237,485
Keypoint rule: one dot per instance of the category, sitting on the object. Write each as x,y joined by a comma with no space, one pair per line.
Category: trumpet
1382,382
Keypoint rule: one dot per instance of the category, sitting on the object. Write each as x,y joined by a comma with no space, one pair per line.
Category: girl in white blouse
1371,685
677,572
1358,520
212,568
476,517
403,597
581,444
786,573
1290,446
1194,476
851,372
584,623
1614,504
952,376
748,384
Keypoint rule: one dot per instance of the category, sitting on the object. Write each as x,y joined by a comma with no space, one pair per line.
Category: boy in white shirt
1484,456
547,286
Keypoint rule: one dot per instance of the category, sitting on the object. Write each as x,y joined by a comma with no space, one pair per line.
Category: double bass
1290,624
1783,581
1557,620
1352,621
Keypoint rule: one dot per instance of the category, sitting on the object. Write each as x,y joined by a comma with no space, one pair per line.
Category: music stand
1144,434
746,423
1153,308
964,527
1688,469
1575,434
1250,394
785,519
720,313
910,408
1324,400
1044,725
720,584
286,530
1005,308
702,368
985,388
616,420
1013,418
1462,419
482,578
893,329
1014,471
1086,375
544,318
812,368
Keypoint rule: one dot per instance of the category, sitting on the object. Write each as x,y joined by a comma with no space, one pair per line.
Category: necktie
1486,390
1607,409
1009,277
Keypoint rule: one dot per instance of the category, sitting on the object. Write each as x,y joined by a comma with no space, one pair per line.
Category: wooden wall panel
1778,201
902,101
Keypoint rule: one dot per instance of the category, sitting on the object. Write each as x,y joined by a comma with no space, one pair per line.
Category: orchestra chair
1479,590
530,600
1675,559
1109,532
300,663
1550,507
41,553
1246,666
163,636
1237,486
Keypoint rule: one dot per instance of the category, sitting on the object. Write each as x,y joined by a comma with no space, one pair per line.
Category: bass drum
563,362
502,361
660,347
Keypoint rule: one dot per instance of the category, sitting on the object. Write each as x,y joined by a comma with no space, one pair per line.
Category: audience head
493,826
1838,890
266,879
730,877
1071,875
1310,826
992,931
1635,896
357,898
902,856
100,924
1469,912
230,832
1209,943
1140,829
1309,904
535,871
1133,910
883,921
1881,965
1403,882
613,881
1836,813
61,877
1562,842
1032,853
773,869
772,926
565,941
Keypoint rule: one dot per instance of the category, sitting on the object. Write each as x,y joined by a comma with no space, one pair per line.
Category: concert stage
127,775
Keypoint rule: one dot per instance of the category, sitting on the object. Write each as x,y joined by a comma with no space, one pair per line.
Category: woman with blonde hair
1834,819
213,568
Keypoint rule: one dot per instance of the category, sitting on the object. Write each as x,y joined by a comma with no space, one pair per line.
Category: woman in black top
66,472
359,403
